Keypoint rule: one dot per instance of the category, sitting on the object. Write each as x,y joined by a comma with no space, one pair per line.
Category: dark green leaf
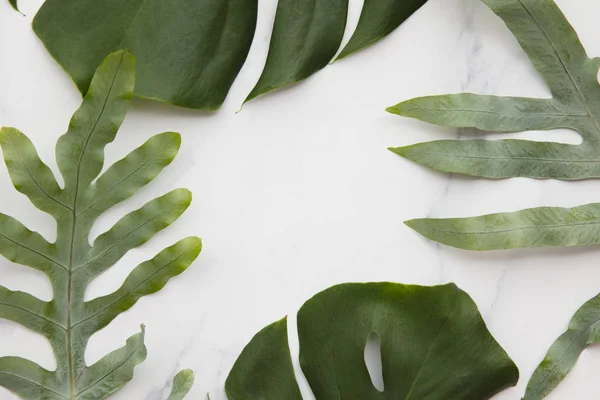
264,370
182,384
379,18
562,356
434,345
188,52
14,5
306,36
71,263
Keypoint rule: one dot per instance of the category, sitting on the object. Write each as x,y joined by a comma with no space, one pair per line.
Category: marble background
297,192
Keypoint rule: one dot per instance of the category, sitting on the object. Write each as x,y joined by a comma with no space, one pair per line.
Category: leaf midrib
74,225
558,226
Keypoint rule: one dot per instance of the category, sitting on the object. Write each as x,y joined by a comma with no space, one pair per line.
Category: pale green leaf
113,371
34,314
71,263
29,381
132,231
535,227
583,332
434,345
182,384
147,278
22,246
30,175
559,57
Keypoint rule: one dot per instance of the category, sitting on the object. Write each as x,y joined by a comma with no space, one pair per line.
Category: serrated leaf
71,263
434,345
378,19
564,352
190,52
558,55
182,384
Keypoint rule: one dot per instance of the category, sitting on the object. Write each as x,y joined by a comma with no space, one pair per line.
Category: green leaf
434,345
71,263
182,384
14,5
378,19
264,370
114,370
563,354
559,57
188,52
535,227
306,36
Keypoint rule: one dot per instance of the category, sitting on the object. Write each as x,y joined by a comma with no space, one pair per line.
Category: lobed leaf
563,354
182,384
558,55
434,345
71,263
190,52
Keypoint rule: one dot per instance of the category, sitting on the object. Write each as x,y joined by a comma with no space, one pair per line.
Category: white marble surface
297,193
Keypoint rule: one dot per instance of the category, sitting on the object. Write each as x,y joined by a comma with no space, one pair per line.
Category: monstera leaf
72,263
558,55
190,52
434,345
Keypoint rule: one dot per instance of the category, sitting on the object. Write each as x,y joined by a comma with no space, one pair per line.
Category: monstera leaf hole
434,340
374,362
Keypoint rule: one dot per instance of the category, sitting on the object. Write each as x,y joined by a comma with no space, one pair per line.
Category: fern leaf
72,263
